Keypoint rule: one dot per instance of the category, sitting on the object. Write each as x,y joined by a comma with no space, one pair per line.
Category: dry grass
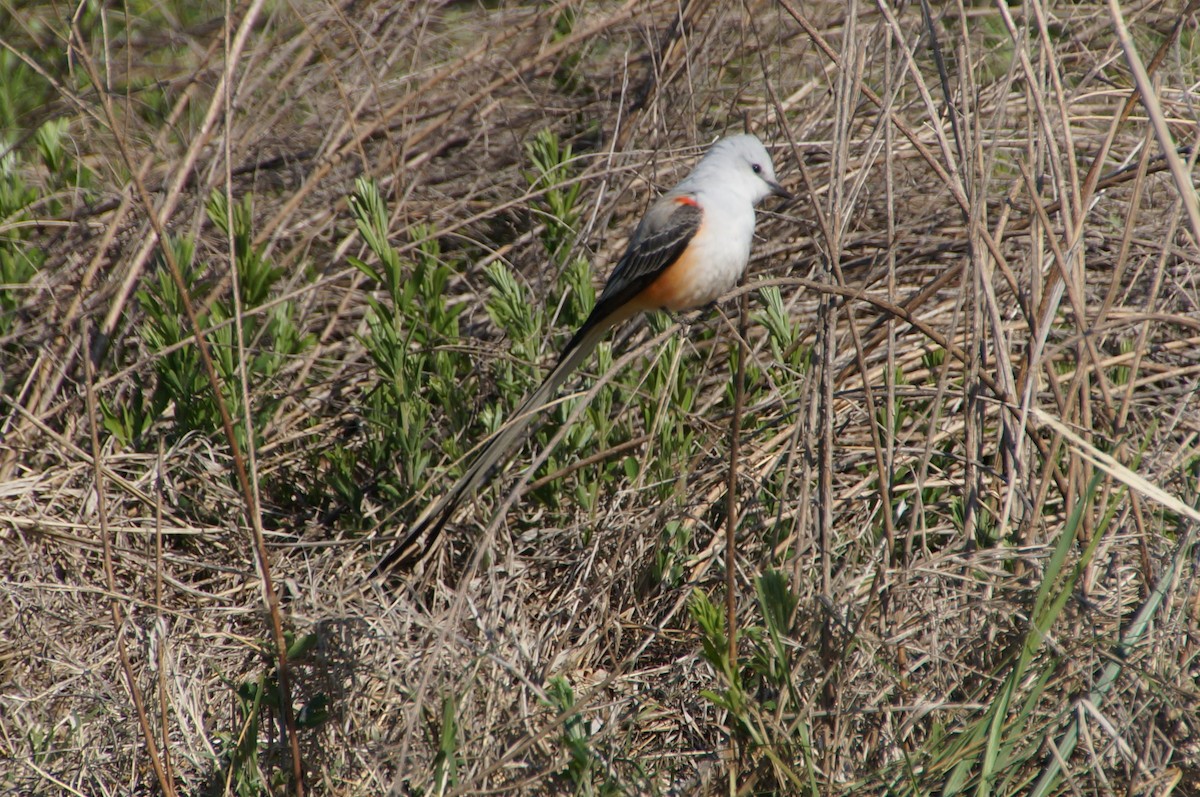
988,283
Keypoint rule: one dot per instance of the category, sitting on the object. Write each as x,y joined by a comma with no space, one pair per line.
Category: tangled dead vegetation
967,463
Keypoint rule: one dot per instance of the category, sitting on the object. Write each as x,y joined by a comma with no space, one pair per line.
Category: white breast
722,249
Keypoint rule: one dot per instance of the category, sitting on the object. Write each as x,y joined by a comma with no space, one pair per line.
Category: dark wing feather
659,241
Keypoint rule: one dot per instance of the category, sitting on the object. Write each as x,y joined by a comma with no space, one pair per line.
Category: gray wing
659,240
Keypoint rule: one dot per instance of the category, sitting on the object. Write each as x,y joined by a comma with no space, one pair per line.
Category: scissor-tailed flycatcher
690,247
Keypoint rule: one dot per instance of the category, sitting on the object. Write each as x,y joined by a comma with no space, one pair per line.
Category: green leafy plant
763,705
667,398
448,759
526,323
270,336
587,769
512,308
783,332
670,556
986,756
23,202
19,261
408,331
560,198
177,366
255,700
22,92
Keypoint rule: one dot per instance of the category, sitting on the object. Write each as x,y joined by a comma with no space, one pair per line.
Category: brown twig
118,616
740,349
250,505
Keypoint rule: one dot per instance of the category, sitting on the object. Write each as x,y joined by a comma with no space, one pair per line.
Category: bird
691,246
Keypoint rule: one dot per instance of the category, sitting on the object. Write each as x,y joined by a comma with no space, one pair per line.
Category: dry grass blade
1149,97
1115,469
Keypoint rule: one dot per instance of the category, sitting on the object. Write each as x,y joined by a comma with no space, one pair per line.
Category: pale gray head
739,164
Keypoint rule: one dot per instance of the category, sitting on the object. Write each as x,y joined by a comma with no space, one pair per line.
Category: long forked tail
425,530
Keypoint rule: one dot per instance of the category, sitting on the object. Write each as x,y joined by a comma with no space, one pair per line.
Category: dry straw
966,462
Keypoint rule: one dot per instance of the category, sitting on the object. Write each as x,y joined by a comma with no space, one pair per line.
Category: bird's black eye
754,167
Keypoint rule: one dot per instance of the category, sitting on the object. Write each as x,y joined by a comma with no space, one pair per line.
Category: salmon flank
672,289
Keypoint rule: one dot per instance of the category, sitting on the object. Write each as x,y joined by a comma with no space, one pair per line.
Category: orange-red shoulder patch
686,200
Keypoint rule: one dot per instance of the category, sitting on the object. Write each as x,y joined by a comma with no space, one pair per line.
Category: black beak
779,191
